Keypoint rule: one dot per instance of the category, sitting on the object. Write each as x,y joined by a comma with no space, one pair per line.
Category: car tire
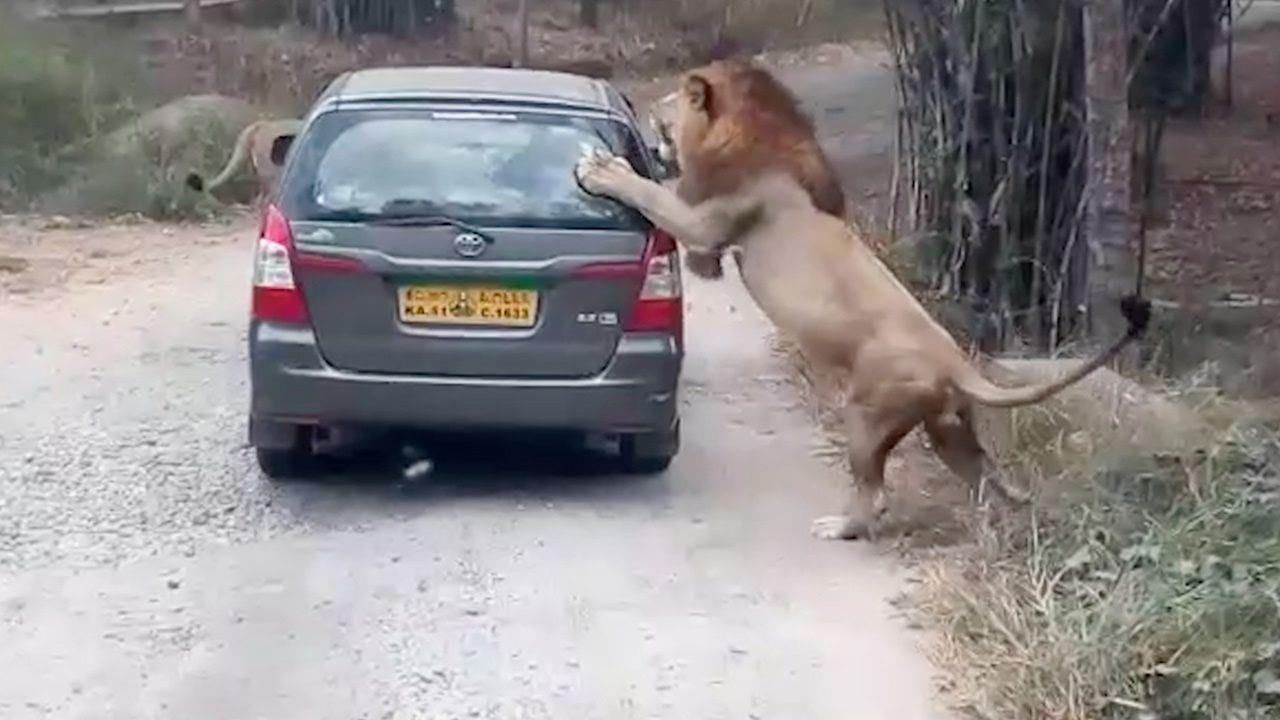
295,463
646,465
649,453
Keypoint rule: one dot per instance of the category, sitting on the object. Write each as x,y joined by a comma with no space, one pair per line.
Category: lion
774,134
819,283
253,145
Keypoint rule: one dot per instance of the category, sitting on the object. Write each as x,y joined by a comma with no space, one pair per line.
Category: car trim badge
469,245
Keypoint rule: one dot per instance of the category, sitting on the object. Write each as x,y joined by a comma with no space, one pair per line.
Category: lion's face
682,119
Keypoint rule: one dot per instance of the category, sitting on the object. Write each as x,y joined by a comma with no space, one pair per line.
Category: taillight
659,307
276,296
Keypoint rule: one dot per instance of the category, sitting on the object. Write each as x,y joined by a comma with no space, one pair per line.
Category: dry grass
1142,584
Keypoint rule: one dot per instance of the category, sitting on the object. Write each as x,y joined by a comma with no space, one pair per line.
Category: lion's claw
599,172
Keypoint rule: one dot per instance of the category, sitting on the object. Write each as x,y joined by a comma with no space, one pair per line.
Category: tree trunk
522,35
1108,220
589,13
191,9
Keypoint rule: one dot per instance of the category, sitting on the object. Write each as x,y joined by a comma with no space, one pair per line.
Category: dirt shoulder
41,256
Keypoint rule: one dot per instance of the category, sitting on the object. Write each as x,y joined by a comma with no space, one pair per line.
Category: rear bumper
292,383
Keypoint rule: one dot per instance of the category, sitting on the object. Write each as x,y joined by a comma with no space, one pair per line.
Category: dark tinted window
486,168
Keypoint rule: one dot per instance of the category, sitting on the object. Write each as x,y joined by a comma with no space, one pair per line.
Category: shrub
52,102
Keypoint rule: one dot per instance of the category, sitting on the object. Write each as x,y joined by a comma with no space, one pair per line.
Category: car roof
473,83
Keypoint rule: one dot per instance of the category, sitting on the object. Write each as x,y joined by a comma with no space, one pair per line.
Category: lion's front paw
602,173
845,527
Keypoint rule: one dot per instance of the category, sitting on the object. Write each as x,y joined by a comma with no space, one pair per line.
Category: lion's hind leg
955,441
871,436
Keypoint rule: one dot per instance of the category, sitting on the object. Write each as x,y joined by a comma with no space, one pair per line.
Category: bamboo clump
992,146
349,17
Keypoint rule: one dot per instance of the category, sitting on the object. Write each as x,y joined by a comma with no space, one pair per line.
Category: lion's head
730,121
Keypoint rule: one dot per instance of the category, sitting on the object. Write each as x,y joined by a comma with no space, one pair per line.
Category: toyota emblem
469,245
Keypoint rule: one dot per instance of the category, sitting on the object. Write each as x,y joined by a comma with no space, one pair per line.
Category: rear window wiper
410,220
339,216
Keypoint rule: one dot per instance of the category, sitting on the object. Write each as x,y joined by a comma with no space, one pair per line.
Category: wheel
649,453
287,463
295,460
284,450
646,465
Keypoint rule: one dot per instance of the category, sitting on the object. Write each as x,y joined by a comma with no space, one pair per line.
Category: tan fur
253,146
820,283
760,127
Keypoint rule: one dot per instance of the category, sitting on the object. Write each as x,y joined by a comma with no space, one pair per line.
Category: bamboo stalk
1140,57
1046,140
522,34
1228,82
803,16
963,187
1153,138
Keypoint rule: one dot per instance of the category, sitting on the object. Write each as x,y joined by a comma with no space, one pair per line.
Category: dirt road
147,571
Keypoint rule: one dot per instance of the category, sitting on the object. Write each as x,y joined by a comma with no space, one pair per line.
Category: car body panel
359,362
355,314
635,392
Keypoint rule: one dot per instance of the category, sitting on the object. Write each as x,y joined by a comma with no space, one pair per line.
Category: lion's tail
1137,311
238,156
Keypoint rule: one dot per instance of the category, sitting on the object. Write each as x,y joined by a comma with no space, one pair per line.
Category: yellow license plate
468,305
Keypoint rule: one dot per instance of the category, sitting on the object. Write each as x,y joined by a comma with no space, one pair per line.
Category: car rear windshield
506,169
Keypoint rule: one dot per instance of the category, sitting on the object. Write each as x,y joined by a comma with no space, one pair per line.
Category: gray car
428,261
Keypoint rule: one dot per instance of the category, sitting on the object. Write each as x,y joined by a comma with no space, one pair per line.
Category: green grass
66,109
53,100
1149,588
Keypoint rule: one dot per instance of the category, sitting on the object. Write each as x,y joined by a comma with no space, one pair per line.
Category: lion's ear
698,91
